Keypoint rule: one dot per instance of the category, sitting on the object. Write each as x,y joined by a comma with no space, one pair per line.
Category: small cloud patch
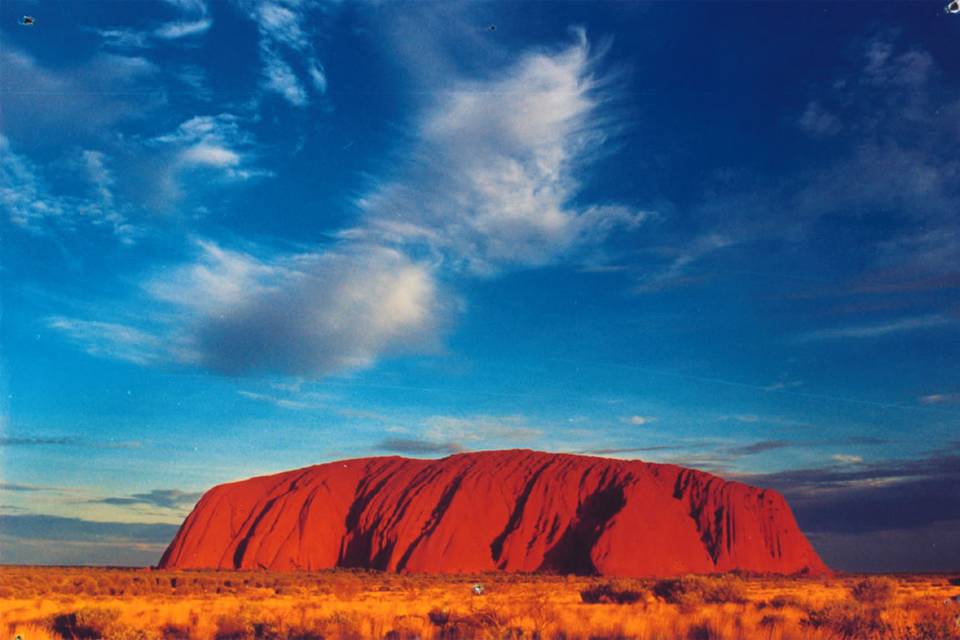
163,498
843,458
941,398
33,441
760,447
418,446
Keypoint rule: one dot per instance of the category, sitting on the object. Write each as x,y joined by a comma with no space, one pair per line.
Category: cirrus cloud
495,169
490,186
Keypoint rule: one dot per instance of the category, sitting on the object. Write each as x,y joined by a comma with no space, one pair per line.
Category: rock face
510,510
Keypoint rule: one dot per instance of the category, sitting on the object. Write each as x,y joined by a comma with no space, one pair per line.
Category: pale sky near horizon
243,236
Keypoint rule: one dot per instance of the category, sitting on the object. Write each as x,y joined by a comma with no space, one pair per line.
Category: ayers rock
512,510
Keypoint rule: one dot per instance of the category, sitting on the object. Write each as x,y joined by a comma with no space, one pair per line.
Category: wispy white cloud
123,38
33,205
898,140
783,384
87,97
451,434
279,78
639,420
124,176
291,66
110,340
193,19
941,398
818,121
222,277
880,330
755,419
674,274
99,174
748,417
844,458
885,66
194,77
509,430
210,155
418,446
220,145
495,169
303,402
212,141
489,187
176,30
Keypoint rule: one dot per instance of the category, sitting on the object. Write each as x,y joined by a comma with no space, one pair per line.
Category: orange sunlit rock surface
511,510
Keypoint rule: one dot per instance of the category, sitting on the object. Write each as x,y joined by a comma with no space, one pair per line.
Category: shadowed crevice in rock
496,547
251,532
572,553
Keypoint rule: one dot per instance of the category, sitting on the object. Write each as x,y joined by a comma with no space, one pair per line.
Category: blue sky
245,236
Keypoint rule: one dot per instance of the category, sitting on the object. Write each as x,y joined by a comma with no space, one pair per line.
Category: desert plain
41,603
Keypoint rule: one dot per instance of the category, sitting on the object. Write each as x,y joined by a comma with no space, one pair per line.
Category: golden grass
125,604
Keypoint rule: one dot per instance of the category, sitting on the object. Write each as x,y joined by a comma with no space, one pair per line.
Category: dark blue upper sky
244,236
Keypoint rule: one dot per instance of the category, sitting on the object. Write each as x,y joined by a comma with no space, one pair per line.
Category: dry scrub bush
172,631
692,591
94,623
407,628
705,630
484,623
780,602
86,623
612,592
849,620
935,621
32,632
233,627
772,621
249,623
438,617
874,591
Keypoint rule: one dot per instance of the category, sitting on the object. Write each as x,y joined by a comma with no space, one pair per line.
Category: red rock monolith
511,510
